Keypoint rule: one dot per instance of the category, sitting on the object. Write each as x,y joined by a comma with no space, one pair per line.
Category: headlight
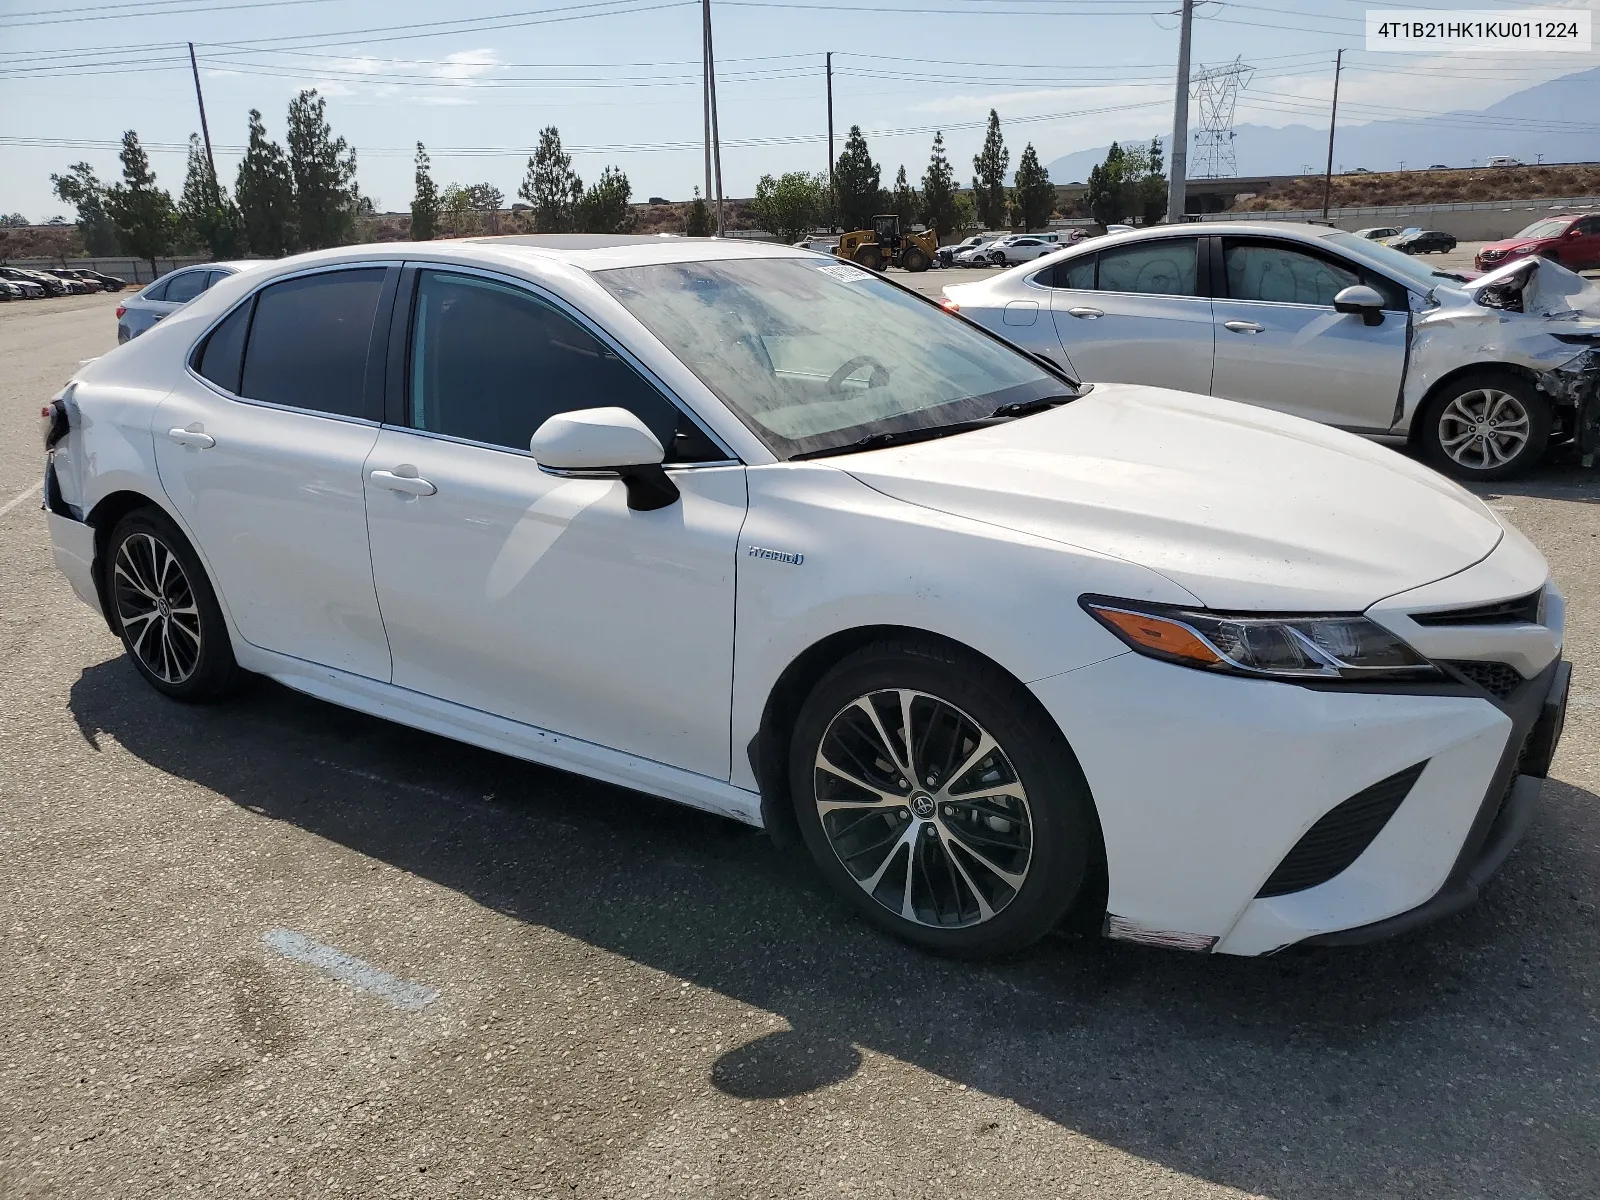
1331,647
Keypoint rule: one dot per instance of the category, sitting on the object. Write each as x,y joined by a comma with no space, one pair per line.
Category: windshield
817,356
1544,228
1394,262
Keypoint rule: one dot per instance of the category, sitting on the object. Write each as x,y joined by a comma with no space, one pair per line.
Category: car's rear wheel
165,610
939,800
1486,425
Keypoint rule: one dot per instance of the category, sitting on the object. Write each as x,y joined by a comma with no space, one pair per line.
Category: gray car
172,291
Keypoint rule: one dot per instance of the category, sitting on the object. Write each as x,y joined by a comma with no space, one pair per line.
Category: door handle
1242,326
398,480
1087,314
192,436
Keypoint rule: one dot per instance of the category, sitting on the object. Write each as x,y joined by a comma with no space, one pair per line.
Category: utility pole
216,190
705,85
711,92
1333,122
1177,182
833,194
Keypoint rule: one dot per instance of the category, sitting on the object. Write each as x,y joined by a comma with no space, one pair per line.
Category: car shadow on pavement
1453,1062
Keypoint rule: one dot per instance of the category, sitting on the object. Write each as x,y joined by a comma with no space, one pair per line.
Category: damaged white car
1482,376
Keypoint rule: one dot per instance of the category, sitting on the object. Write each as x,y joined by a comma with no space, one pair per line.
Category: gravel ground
638,1000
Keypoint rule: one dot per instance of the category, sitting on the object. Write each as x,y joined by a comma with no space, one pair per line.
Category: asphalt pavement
280,949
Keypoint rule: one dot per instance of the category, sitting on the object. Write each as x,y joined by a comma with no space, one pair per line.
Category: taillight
949,305
121,308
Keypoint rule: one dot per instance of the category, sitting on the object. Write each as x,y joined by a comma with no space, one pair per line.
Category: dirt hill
1430,187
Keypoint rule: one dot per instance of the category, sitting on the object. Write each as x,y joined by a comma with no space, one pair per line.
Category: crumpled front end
1533,314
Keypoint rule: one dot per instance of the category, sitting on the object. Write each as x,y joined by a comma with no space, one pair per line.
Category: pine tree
324,171
551,185
210,218
424,201
1035,195
698,222
145,219
264,190
856,180
606,207
80,186
939,191
1106,195
989,182
904,200
486,200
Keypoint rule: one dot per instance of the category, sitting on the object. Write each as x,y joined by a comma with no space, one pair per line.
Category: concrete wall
1466,222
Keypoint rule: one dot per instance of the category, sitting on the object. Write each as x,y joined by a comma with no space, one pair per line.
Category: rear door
260,447
1281,345
1135,313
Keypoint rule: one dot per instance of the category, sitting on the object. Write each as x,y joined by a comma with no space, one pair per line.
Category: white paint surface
363,976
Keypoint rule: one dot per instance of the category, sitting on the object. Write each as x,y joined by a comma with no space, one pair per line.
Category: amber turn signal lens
1164,637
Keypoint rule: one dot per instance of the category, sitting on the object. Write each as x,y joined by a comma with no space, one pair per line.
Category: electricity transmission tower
1216,91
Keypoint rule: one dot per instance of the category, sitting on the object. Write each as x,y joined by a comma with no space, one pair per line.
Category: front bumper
1204,783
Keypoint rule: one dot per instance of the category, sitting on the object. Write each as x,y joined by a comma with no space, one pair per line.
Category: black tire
1047,835
1442,424
191,659
870,257
914,260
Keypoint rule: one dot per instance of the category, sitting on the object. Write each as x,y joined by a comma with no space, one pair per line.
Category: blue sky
477,80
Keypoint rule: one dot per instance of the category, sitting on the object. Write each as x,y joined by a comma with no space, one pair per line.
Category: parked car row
21,283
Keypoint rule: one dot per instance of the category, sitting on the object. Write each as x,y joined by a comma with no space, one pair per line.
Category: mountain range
1454,139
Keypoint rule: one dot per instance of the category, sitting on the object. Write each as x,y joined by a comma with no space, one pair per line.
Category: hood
1511,244
1537,287
1241,507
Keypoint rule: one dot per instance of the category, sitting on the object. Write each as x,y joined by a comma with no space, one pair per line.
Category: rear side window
213,278
185,286
157,290
309,342
1160,268
1075,273
222,357
491,363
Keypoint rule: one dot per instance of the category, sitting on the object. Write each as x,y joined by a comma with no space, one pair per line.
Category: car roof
605,251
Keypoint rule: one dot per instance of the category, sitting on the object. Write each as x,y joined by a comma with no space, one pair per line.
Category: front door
535,597
262,457
1132,314
1281,345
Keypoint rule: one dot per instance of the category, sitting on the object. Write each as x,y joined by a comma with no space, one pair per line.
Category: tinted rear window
309,342
185,286
222,357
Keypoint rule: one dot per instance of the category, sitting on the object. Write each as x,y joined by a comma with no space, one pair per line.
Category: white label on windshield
845,274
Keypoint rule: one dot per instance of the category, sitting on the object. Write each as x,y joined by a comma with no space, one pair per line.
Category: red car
1572,240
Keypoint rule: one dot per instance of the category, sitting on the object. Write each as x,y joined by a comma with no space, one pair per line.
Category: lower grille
1338,839
1497,678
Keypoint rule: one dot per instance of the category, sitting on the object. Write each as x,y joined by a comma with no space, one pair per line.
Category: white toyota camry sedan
764,533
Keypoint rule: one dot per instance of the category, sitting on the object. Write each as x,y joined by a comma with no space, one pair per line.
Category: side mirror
1361,300
606,441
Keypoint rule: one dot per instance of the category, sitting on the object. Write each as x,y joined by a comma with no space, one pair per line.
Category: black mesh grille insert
1497,678
1338,839
1522,611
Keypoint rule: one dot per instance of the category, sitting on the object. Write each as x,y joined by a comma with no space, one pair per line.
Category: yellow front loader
885,246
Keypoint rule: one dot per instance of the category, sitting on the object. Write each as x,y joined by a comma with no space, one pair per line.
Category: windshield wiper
1023,408
875,441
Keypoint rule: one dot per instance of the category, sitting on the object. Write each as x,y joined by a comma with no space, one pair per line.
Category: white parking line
19,498
362,976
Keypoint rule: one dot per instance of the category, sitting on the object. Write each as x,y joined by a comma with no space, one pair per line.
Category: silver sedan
172,291
1322,324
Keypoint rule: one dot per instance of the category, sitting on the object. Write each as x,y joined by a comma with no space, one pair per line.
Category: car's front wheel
165,611
939,800
1486,425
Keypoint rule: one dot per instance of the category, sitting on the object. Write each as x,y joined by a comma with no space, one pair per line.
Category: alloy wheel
1484,428
157,609
923,808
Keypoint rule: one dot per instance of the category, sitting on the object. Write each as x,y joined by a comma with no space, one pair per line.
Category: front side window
491,363
1545,228
1165,267
309,342
816,357
185,286
1282,275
